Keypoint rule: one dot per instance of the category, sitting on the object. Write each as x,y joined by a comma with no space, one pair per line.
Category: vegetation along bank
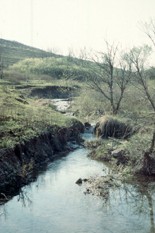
114,85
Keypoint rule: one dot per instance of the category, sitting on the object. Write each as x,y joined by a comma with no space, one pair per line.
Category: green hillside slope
12,51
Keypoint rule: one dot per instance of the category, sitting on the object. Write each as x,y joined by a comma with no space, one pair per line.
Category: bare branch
149,30
107,77
138,56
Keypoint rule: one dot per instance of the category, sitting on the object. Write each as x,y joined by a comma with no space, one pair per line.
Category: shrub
111,127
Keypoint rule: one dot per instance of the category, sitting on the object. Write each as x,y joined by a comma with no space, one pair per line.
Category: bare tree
109,81
138,57
149,30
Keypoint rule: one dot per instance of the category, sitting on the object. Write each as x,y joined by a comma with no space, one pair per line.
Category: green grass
56,68
12,52
20,121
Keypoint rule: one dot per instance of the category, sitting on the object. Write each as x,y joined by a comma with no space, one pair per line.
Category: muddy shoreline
21,165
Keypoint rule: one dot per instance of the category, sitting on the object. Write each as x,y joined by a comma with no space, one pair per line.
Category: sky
64,25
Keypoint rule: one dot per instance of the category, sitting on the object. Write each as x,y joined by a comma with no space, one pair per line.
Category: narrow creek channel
55,204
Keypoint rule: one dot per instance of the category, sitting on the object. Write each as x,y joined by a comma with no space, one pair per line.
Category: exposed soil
54,92
21,164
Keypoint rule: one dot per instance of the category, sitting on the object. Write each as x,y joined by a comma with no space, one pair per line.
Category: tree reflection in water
24,198
25,193
3,211
139,194
136,196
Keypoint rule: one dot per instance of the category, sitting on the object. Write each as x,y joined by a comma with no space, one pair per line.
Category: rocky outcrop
21,164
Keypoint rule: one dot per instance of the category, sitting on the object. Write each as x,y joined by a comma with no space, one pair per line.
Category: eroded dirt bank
21,164
54,92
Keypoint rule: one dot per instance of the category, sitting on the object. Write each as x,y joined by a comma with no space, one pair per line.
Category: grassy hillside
25,62
28,70
12,51
22,118
57,68
34,77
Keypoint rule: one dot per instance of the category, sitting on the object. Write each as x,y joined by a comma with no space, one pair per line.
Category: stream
54,203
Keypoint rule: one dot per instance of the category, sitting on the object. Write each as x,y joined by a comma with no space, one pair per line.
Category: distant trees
109,81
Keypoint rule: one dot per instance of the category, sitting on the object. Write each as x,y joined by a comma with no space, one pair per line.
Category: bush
111,127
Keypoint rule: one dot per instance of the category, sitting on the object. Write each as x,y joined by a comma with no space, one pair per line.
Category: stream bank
54,202
21,164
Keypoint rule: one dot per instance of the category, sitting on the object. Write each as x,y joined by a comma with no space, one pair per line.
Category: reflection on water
54,203
141,196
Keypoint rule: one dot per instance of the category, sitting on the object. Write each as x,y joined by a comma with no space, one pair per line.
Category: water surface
55,204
